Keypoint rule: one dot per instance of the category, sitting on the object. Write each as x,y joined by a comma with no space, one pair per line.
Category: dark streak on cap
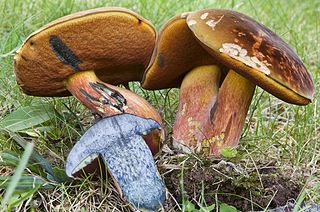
64,53
114,42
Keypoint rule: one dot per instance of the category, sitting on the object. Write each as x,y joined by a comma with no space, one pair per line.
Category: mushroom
77,54
195,51
119,141
80,52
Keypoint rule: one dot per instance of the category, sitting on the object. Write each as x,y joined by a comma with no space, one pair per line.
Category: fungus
87,54
217,57
119,141
81,53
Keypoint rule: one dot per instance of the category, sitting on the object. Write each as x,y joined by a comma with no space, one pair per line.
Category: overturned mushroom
78,54
193,51
119,141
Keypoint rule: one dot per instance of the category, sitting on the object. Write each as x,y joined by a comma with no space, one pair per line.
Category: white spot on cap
15,57
235,51
192,22
243,52
204,16
241,34
212,23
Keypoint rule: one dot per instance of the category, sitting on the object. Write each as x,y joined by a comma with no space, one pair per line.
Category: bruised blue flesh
118,139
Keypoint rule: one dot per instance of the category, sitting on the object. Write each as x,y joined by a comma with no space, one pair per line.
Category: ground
257,187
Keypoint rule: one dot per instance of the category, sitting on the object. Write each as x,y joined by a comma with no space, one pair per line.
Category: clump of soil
251,188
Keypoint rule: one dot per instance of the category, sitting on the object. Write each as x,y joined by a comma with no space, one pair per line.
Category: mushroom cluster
215,56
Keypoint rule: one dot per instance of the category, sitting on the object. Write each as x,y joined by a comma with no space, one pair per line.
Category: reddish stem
106,100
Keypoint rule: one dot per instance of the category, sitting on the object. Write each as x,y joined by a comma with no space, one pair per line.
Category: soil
251,188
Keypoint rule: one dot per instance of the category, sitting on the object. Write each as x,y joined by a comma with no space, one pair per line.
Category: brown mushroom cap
235,40
254,51
115,42
176,53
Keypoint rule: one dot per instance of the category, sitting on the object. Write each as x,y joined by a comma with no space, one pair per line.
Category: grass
17,175
285,134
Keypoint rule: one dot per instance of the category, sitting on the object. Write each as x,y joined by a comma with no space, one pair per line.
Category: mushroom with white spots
217,57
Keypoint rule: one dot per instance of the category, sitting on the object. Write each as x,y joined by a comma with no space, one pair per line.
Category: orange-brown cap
176,53
115,42
240,43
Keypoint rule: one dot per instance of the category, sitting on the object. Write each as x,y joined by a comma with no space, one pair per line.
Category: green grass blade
25,182
27,117
12,159
299,201
17,175
18,198
35,156
9,158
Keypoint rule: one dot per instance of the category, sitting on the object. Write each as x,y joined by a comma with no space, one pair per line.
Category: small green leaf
60,174
189,206
228,152
208,208
227,208
27,117
35,132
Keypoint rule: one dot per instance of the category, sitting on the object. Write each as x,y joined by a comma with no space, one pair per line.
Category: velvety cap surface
115,42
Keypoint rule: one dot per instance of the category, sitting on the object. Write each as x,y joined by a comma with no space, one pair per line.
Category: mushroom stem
229,113
105,99
210,118
198,93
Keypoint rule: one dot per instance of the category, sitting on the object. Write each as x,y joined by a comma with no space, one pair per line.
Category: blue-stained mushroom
87,54
118,140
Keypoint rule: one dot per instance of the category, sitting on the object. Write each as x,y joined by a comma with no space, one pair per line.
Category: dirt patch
251,188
